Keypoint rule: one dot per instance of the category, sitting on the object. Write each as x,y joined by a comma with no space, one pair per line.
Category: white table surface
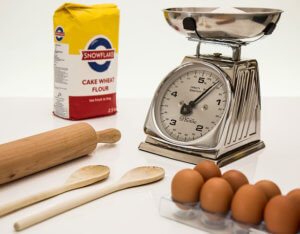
135,210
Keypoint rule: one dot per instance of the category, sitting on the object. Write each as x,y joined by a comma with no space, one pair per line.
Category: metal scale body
236,134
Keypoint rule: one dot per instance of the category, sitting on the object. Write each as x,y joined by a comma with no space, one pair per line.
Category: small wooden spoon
80,178
135,177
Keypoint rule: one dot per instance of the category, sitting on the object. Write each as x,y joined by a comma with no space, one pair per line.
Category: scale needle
187,108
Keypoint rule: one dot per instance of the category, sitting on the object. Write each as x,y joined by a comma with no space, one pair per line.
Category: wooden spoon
80,178
135,177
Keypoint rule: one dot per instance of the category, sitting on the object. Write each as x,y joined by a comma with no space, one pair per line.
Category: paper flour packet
85,60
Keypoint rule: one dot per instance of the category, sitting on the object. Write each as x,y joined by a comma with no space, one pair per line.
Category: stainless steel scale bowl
234,27
209,106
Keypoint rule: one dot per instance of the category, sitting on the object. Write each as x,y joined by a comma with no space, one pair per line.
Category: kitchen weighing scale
209,107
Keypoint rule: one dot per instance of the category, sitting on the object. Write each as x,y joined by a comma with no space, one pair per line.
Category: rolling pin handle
110,135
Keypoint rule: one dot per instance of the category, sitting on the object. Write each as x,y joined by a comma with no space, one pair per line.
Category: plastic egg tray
193,215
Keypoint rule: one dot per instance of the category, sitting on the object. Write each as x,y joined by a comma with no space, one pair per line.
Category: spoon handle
26,201
65,206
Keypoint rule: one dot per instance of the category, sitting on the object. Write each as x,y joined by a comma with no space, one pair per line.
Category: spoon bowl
87,175
143,175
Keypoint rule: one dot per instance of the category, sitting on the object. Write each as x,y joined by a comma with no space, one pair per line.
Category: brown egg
269,188
208,169
281,215
248,204
216,195
235,178
186,186
295,196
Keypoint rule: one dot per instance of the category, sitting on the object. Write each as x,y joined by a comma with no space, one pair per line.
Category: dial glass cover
191,102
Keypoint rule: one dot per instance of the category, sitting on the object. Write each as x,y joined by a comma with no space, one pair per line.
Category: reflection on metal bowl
244,27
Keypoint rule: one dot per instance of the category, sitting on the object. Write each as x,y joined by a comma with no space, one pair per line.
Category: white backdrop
148,47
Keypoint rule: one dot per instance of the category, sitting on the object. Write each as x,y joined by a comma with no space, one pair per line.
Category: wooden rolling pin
35,153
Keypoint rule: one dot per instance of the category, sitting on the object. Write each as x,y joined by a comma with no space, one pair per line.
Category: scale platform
155,147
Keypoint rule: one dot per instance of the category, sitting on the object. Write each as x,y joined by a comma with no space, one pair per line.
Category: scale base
150,146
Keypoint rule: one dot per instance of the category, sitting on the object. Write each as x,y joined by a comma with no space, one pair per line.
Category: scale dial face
191,102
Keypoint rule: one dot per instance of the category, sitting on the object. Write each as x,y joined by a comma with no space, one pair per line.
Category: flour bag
85,60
